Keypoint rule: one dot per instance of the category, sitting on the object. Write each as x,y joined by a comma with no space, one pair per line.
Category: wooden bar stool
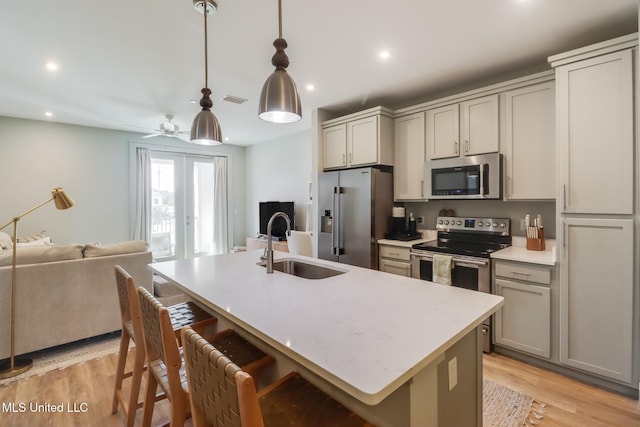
222,394
181,315
166,364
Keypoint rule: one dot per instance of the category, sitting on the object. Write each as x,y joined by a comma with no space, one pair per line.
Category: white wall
92,165
278,170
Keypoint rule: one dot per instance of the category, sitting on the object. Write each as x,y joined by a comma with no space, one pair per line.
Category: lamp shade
205,129
279,100
61,198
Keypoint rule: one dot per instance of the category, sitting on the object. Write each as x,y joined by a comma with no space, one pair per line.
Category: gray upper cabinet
479,127
443,132
464,129
530,148
335,146
410,155
595,134
359,139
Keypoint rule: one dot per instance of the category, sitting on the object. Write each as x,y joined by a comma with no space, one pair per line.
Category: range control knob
495,224
440,221
459,223
488,224
446,222
503,225
480,224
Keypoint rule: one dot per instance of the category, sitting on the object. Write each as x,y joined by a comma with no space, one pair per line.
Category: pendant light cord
280,19
206,59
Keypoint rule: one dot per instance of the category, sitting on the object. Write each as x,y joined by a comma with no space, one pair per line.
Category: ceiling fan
169,128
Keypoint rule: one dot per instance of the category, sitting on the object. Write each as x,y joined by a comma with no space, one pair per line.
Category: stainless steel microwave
471,177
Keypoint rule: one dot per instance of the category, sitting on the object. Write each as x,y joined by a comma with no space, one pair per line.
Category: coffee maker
401,229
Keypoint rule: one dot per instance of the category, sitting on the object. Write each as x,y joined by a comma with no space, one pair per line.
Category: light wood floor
569,403
90,383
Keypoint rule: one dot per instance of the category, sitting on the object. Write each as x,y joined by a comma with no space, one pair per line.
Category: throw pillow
39,242
25,239
6,241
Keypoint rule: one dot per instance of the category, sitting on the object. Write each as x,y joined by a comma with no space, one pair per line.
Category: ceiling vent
234,99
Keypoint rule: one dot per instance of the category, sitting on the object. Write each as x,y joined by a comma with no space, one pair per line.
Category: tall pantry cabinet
595,127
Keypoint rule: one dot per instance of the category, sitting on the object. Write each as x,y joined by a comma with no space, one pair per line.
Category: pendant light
279,100
205,129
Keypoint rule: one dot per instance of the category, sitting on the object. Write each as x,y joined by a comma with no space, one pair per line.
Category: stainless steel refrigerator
354,211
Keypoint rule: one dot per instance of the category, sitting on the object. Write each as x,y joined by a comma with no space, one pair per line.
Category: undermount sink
303,269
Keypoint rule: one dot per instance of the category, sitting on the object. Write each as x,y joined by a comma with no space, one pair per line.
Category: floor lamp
15,366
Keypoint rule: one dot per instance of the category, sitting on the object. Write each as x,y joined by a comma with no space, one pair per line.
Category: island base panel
423,401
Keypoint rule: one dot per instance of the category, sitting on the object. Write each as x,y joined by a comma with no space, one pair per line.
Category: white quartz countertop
402,243
519,252
365,331
427,236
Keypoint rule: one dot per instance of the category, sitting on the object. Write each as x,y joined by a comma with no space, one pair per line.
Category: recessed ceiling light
384,54
310,87
48,114
52,66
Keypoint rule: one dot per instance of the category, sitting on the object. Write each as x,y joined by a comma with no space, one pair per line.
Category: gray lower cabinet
524,321
596,296
395,259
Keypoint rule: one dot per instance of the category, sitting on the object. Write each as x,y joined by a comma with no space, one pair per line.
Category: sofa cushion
40,254
92,250
6,242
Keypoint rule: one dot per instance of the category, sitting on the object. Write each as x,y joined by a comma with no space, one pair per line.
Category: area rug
66,355
504,407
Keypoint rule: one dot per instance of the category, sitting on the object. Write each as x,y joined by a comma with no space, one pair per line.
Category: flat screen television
279,226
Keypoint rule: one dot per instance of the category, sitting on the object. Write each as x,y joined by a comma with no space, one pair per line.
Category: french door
183,212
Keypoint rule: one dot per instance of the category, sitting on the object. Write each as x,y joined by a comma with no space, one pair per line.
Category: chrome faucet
270,238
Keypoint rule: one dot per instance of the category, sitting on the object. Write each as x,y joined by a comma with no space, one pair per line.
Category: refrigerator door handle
340,224
336,222
336,232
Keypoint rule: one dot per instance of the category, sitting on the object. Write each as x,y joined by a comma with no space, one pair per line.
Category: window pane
203,186
163,217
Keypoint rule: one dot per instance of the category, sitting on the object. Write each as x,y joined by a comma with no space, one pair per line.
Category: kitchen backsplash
515,211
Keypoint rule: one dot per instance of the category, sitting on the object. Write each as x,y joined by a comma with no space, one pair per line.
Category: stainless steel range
470,242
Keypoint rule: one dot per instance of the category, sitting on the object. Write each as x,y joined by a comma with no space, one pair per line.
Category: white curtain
142,225
220,207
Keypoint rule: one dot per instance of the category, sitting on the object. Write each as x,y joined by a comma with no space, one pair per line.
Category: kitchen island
398,351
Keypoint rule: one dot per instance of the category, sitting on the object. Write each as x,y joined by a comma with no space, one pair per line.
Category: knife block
536,244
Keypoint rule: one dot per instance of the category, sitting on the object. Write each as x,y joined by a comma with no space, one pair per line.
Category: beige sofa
66,292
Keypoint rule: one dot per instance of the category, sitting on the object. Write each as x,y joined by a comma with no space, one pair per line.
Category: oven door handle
463,262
